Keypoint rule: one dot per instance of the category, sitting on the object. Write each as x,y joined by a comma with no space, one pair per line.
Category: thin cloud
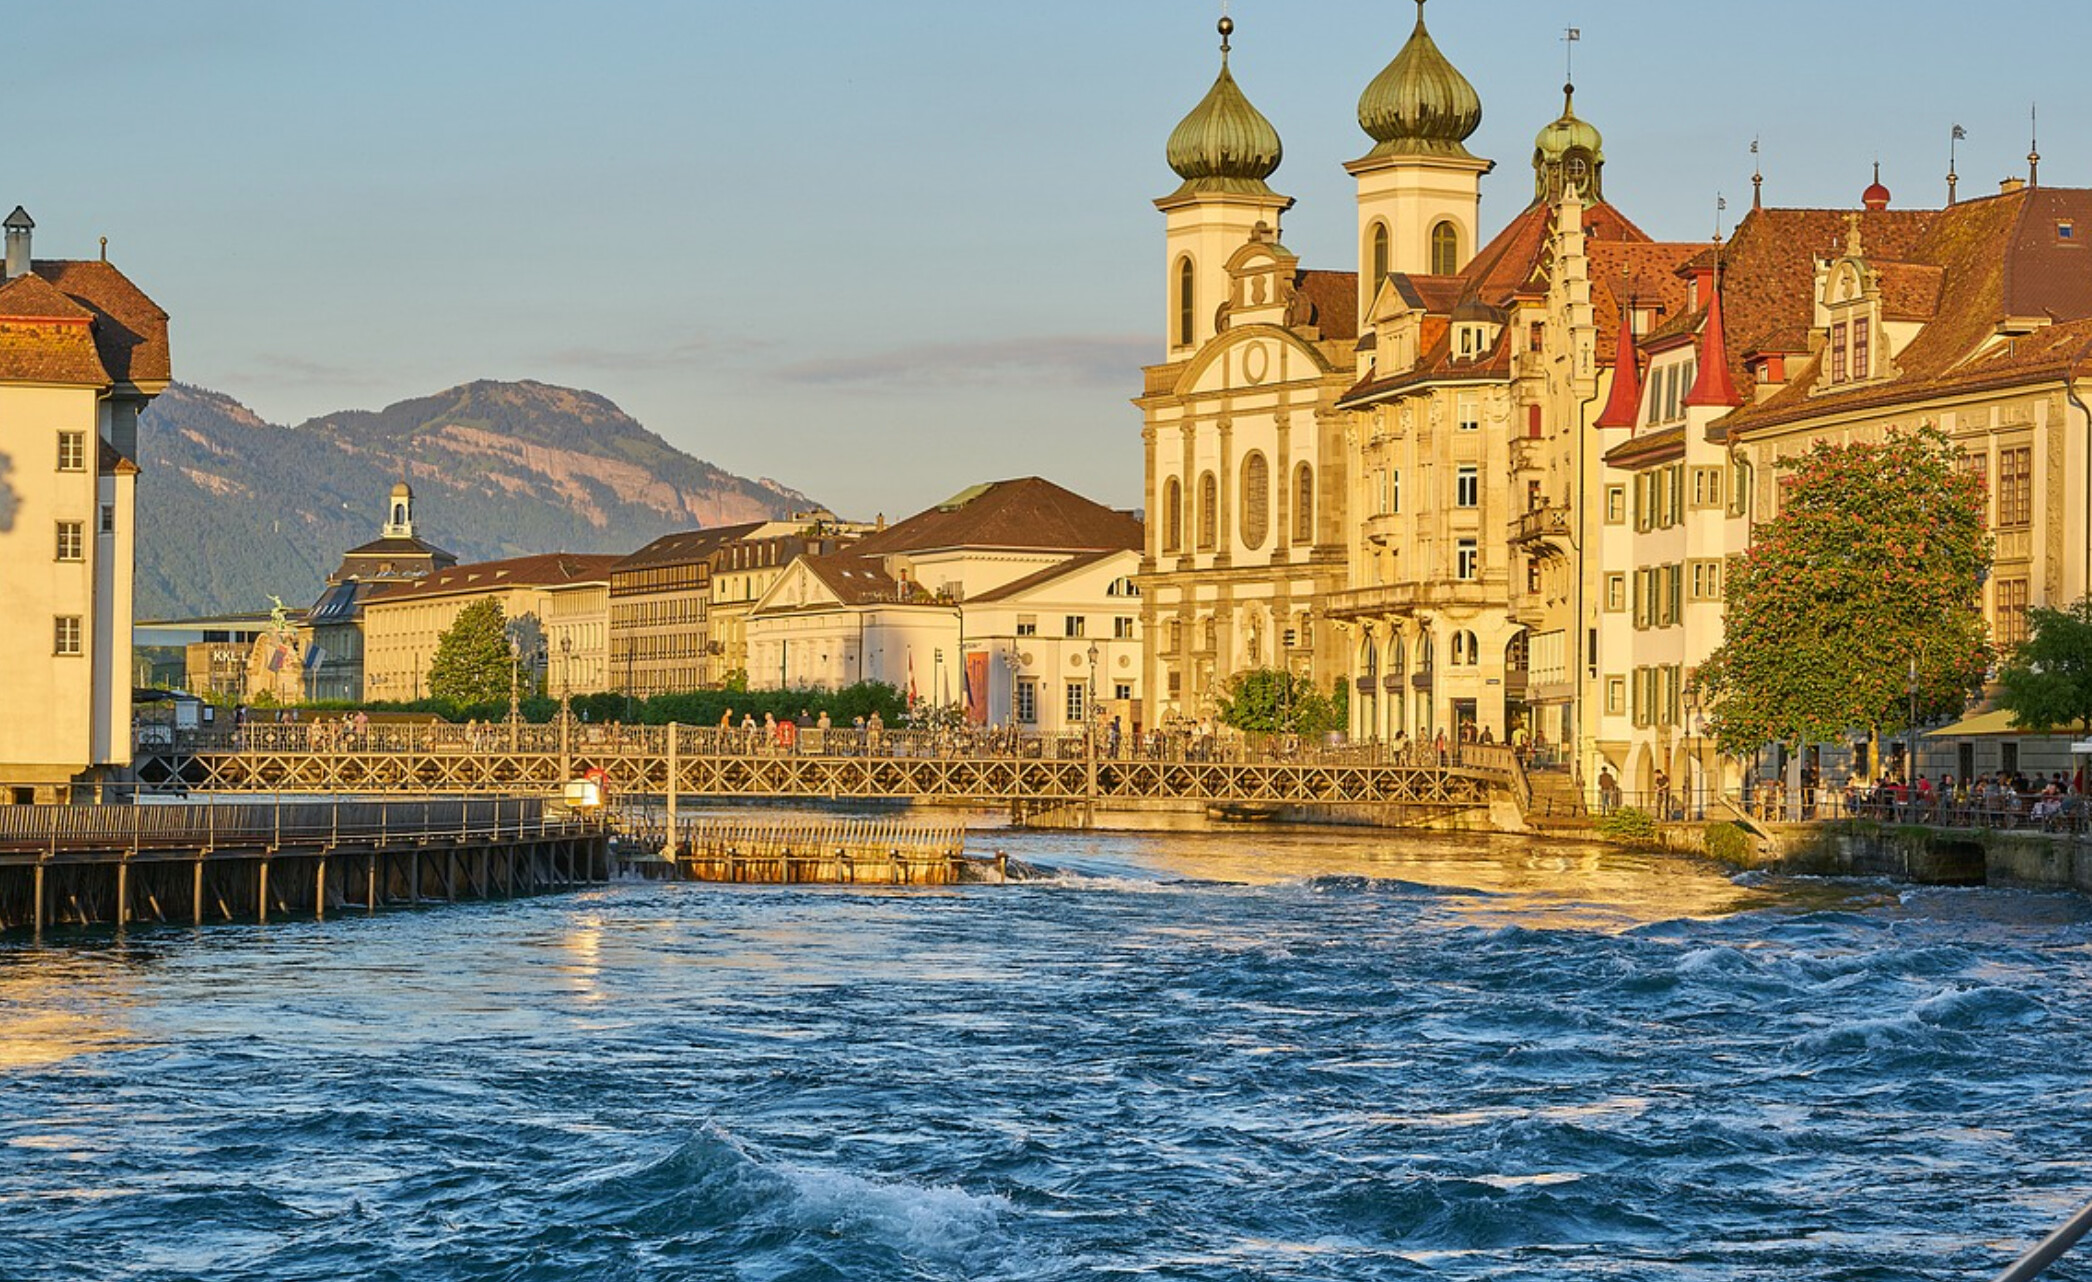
701,348
1068,360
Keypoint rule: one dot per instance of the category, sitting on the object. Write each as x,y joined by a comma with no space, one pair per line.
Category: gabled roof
130,329
397,546
547,569
1650,447
1026,513
46,337
1986,261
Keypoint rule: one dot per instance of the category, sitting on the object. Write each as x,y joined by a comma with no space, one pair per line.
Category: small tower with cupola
1224,151
1419,188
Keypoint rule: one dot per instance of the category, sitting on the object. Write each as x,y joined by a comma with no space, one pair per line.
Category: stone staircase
1558,803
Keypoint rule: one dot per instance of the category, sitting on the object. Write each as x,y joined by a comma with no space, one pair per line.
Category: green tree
2048,681
1273,701
1876,558
472,659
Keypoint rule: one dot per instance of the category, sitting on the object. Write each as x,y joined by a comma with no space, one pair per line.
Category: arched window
1187,301
399,514
1466,651
1304,504
1380,256
1423,654
1445,249
1172,515
1209,512
1256,500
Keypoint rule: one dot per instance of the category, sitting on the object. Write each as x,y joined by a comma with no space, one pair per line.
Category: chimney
2005,187
18,225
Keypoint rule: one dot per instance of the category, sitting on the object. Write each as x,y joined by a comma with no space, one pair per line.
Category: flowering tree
1876,559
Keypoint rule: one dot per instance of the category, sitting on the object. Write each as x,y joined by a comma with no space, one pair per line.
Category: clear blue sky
880,252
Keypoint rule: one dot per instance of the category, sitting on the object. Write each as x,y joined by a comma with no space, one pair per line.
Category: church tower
399,518
1223,150
1569,152
1419,188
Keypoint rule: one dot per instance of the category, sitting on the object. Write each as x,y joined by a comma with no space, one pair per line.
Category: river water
1250,1055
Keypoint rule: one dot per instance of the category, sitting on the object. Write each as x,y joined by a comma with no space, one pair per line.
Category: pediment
1251,358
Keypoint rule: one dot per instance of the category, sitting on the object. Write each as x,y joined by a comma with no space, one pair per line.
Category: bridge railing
210,824
584,740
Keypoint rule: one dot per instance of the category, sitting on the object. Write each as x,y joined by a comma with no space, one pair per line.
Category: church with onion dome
1485,481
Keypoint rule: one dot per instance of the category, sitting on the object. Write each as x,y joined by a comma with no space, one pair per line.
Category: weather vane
1570,35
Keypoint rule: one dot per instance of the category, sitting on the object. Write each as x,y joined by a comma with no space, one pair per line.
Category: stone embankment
1923,855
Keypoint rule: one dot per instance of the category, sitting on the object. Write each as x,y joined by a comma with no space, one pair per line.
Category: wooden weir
834,852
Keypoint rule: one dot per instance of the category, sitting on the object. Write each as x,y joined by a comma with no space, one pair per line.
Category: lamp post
1090,707
1696,787
566,676
1910,755
515,705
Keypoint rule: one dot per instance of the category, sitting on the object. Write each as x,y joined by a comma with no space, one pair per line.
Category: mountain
232,509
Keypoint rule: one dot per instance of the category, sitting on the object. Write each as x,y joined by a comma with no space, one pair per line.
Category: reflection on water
1251,1053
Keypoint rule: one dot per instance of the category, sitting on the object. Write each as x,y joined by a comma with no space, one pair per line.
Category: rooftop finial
1954,136
105,249
1227,28
1757,178
2034,145
1570,35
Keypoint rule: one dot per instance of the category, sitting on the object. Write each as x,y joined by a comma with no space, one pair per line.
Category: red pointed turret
1715,385
1624,406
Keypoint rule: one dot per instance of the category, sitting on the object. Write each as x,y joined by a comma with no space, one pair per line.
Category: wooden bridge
113,864
1034,776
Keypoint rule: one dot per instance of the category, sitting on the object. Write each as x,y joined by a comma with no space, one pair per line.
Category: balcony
1384,529
1542,525
1405,598
1528,454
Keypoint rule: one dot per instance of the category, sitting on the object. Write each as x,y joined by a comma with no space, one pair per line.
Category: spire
1225,144
2034,145
1419,104
1714,386
1954,136
1624,406
1757,178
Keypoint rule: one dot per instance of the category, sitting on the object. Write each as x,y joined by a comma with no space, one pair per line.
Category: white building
82,351
991,602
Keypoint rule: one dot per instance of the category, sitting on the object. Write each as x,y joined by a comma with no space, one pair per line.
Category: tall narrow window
1172,515
72,543
1862,354
72,451
1256,500
1187,299
1445,249
1838,352
2015,487
1380,255
1467,486
1468,564
1209,512
1304,504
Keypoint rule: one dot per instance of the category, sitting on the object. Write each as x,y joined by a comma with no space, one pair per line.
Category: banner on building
977,687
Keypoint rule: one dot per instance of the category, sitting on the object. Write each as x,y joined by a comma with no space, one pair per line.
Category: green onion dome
1568,148
1420,105
1225,145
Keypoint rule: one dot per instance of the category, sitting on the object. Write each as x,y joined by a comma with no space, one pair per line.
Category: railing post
675,762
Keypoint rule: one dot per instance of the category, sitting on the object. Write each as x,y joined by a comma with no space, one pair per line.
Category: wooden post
36,914
123,893
261,886
370,883
196,892
319,889
674,768
413,876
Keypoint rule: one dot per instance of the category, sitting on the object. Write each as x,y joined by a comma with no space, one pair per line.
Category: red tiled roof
1326,300
130,329
46,337
686,547
544,570
1028,513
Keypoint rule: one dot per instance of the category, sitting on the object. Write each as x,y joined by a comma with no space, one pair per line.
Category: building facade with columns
1243,441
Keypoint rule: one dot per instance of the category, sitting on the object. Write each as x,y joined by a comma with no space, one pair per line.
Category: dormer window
2066,230
1839,372
1861,348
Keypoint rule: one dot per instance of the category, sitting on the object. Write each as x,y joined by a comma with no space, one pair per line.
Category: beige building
1836,325
82,351
660,613
744,568
577,638
403,622
1244,452
333,631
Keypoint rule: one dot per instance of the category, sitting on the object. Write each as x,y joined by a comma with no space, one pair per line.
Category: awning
1996,721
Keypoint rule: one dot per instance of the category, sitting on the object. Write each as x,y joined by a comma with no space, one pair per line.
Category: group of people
2001,800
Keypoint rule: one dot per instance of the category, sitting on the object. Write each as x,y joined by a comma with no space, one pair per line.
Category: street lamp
1091,706
566,676
1696,792
1910,755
